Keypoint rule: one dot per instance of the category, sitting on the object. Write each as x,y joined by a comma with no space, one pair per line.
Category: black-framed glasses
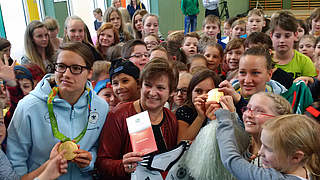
255,112
181,90
74,69
147,55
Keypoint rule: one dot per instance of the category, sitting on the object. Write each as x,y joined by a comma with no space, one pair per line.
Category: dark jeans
190,21
213,12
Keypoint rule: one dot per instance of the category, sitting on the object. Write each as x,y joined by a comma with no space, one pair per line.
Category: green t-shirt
300,65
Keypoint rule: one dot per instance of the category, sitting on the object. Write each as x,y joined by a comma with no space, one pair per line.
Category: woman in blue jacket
134,5
62,107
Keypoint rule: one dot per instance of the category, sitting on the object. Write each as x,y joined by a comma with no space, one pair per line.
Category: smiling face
233,58
125,87
151,25
213,57
75,30
190,46
106,38
40,37
115,19
155,92
109,97
262,107
255,23
71,83
306,47
139,56
253,74
283,40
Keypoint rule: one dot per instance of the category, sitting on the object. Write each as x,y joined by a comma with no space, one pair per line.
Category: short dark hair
79,48
128,47
285,20
197,78
258,38
260,51
234,44
98,11
157,67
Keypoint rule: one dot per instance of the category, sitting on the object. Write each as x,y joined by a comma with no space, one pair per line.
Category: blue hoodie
30,138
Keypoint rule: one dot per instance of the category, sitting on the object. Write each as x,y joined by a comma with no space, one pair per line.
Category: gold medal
214,95
69,147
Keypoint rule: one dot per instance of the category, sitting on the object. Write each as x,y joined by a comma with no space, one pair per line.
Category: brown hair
128,47
79,48
258,38
98,11
215,45
174,50
294,133
159,48
98,68
234,44
192,35
255,11
285,20
122,29
196,79
31,48
260,51
157,67
211,19
51,23
237,22
315,14
137,34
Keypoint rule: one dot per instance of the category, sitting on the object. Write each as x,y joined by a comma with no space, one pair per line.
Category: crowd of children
268,73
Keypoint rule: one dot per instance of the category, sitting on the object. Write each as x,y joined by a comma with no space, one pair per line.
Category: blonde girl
290,148
74,30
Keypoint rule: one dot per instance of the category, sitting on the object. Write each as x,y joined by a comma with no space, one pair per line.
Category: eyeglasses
255,112
74,69
141,55
182,91
152,43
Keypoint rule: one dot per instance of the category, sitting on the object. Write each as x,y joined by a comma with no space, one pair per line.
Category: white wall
84,9
14,22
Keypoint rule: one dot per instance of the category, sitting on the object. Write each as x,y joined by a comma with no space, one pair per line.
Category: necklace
53,120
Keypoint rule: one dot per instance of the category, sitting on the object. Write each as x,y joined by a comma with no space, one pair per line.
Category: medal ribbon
53,120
